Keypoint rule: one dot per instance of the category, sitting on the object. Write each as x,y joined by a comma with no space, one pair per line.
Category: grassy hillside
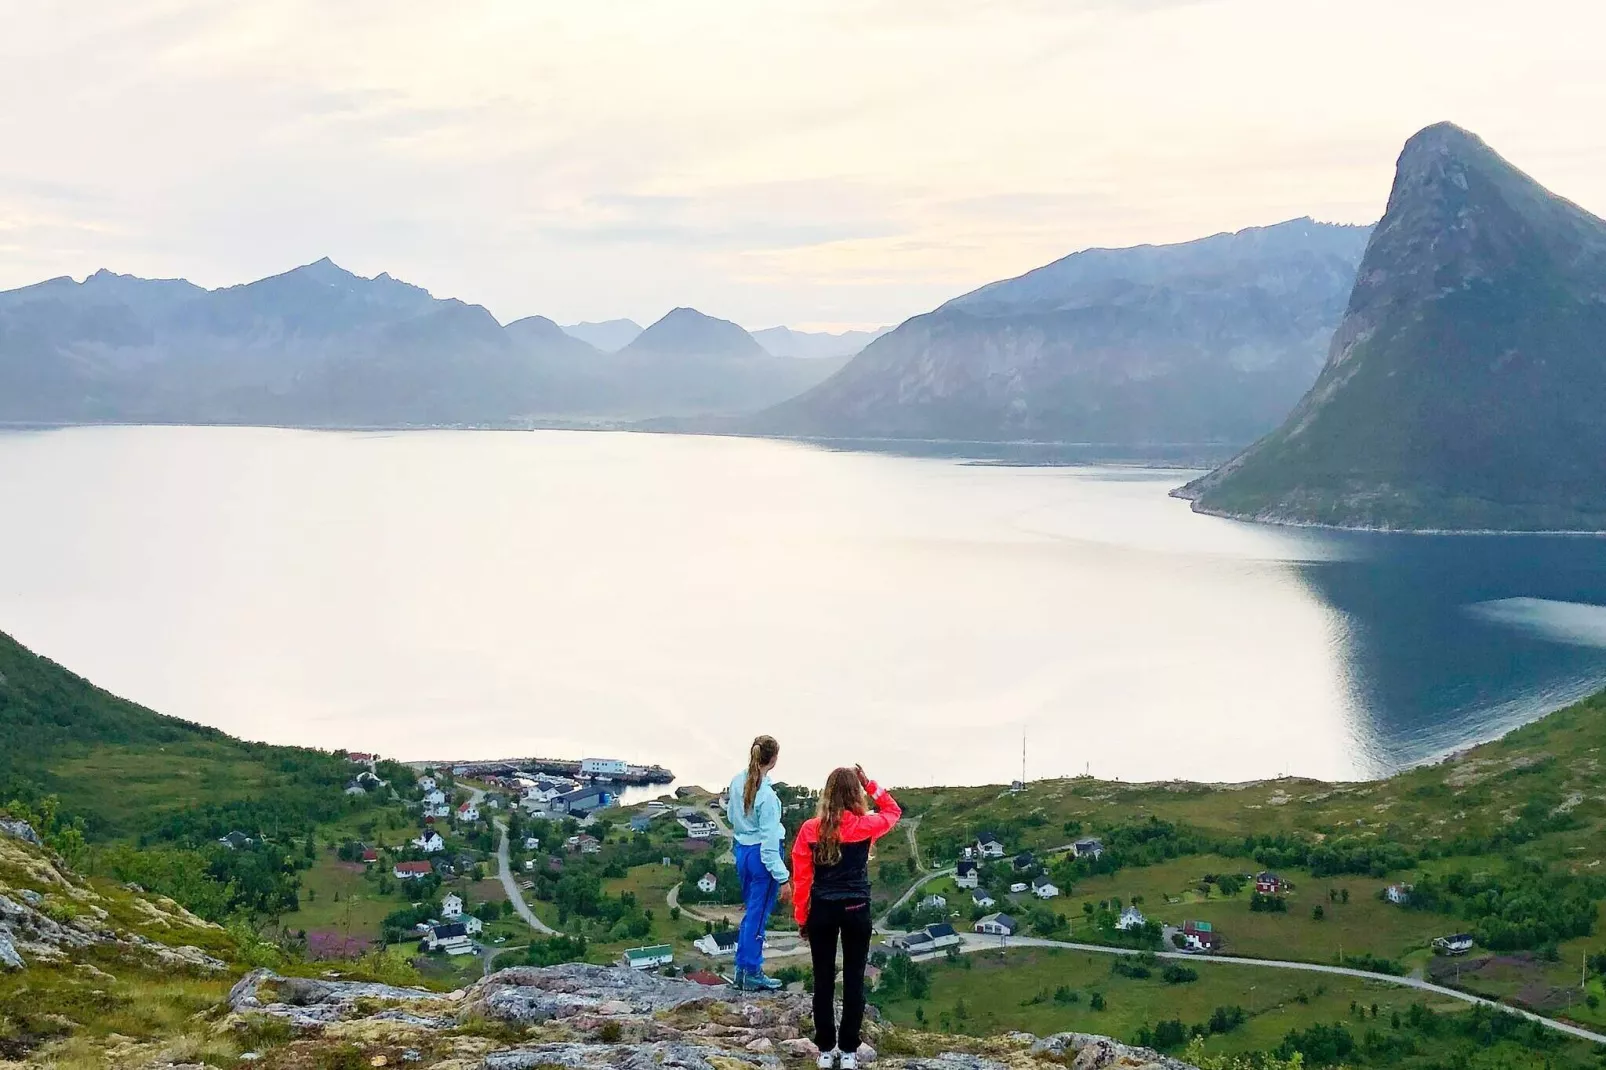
1505,841
143,797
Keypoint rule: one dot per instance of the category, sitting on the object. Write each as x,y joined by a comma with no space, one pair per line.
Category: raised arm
887,811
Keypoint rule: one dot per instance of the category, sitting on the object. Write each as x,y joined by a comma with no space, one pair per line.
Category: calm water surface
660,598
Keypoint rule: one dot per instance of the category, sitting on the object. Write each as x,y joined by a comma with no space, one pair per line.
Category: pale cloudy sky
826,162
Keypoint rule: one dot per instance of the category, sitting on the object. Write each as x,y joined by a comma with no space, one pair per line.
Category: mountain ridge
319,346
1209,341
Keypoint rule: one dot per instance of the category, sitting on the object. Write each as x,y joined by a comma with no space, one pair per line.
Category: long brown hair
763,752
842,793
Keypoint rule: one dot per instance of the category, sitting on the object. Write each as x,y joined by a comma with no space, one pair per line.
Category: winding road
504,872
515,895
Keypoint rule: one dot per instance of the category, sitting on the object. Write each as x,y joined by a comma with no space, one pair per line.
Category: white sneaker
849,1061
827,1059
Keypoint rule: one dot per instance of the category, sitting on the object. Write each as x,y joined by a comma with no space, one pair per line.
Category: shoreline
1312,525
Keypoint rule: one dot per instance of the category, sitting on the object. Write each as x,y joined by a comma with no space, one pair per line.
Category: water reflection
1453,639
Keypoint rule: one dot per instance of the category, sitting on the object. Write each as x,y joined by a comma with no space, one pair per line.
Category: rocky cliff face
1209,341
594,1017
1466,385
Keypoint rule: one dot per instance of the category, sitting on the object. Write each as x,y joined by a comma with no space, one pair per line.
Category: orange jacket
856,828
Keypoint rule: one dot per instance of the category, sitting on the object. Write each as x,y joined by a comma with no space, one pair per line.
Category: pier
631,774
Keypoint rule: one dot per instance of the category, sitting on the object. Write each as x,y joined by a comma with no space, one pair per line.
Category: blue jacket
761,827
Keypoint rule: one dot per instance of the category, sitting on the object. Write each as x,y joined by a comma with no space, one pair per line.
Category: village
501,864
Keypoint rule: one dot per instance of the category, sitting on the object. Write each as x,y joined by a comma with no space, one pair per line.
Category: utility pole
1023,756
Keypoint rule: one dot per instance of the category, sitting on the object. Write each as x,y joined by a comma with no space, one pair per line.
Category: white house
942,936
412,871
996,925
452,939
1088,848
698,827
988,845
429,841
1044,888
707,883
471,924
434,797
426,783
1131,918
1398,894
717,945
966,874
532,843
1018,886
468,812
603,767
452,906
436,810
1459,944
983,900
645,958
934,902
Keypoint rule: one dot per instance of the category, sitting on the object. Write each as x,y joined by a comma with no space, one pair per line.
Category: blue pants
759,890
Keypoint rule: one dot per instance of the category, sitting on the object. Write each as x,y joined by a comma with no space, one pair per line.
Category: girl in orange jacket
831,901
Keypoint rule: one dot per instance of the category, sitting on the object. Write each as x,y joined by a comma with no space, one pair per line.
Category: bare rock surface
583,1017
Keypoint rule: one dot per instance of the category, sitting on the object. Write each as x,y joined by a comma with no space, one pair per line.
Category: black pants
849,919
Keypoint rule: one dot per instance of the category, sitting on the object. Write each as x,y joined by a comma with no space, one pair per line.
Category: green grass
998,987
1364,923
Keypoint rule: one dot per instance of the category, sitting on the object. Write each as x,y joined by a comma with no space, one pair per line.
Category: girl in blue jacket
755,817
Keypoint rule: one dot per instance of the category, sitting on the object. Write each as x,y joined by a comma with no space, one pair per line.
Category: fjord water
662,598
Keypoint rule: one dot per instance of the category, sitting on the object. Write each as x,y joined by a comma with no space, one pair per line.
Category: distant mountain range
320,346
1466,386
610,336
1211,341
815,345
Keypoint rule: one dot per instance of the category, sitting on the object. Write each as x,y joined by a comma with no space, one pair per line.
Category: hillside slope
125,771
1209,341
1466,385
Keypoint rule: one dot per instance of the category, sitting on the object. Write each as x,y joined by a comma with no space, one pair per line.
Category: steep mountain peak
1464,386
326,271
686,331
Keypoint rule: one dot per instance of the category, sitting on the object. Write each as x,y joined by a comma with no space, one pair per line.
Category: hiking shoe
848,1061
827,1059
757,982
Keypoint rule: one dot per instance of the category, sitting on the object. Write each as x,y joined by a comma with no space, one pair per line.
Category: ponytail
763,752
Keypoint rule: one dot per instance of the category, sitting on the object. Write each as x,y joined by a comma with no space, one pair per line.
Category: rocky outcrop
584,1017
48,915
19,830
